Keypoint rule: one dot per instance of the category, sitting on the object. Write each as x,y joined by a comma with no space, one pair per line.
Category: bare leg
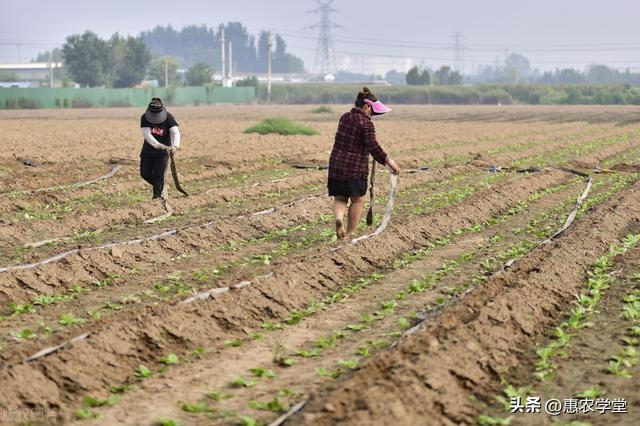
339,209
355,212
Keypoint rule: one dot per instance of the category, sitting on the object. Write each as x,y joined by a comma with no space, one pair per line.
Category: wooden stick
372,198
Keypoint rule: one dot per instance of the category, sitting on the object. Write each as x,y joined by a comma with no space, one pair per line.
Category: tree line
125,61
517,69
201,44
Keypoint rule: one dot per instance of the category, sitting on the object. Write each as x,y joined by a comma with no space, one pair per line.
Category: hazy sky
549,32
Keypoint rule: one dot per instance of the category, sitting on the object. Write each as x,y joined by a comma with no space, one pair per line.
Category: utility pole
458,60
50,69
224,59
325,61
269,47
231,63
166,72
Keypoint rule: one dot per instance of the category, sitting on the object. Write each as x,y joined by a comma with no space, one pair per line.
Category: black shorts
347,188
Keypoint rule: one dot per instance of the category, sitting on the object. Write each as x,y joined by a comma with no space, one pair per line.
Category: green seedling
324,342
85,413
90,401
592,393
322,372
120,389
46,330
219,396
363,351
403,322
389,306
25,334
275,405
356,327
167,422
287,362
21,308
272,326
233,343
199,351
494,421
68,320
511,392
112,306
170,359
617,366
247,421
43,300
143,372
241,382
349,363
631,311
198,407
562,337
263,373
309,354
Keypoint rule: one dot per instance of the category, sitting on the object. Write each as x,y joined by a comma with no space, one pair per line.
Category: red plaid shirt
355,139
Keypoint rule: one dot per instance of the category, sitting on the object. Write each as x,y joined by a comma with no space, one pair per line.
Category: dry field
242,304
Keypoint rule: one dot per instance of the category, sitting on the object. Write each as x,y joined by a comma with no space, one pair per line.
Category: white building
33,74
379,65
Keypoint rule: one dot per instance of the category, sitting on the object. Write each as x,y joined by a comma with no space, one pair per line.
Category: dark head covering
156,113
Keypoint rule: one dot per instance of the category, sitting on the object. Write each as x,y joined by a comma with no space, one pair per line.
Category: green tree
425,78
248,82
413,77
284,62
199,74
396,77
156,70
87,59
56,56
131,59
446,76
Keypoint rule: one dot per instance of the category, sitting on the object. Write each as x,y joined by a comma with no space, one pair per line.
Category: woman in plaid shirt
349,161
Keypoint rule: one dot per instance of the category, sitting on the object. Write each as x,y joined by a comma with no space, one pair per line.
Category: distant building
18,84
378,65
34,74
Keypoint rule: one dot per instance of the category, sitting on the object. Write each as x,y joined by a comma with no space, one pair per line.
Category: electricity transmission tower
458,60
325,61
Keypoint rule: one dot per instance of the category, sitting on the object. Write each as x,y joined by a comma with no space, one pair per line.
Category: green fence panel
16,98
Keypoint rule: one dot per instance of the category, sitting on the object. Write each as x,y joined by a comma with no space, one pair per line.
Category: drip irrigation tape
296,408
163,235
387,214
109,175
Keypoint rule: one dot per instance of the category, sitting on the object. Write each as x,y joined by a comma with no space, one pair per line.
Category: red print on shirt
157,131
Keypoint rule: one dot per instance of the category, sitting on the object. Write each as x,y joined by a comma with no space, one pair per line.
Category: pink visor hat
378,107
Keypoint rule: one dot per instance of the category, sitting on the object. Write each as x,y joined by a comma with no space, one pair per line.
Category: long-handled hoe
372,197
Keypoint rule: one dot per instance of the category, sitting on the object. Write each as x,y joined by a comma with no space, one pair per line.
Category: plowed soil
242,304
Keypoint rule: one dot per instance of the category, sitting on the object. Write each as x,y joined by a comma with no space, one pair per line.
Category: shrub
80,103
322,109
281,126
